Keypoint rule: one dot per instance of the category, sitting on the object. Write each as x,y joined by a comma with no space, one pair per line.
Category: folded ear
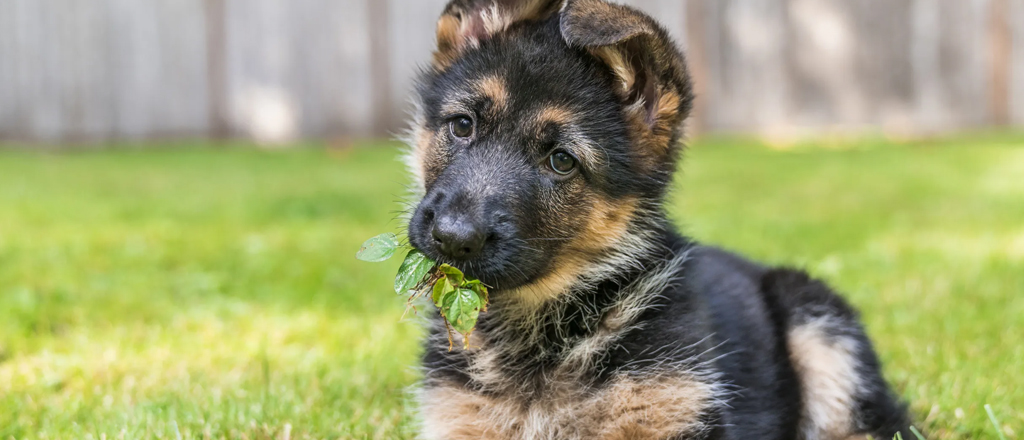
465,23
653,80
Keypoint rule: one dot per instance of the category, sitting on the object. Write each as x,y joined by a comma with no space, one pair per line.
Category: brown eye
461,127
563,163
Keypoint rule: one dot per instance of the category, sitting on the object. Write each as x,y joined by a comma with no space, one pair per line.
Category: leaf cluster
459,299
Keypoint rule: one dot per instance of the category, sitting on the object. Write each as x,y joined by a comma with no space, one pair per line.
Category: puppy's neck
603,292
524,350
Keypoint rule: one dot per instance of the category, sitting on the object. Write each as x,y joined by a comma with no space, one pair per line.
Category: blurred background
164,274
278,70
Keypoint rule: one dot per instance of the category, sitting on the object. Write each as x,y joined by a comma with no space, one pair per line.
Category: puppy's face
537,149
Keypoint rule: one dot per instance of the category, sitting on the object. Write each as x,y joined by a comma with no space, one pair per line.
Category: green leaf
454,275
462,309
441,288
414,269
378,248
481,291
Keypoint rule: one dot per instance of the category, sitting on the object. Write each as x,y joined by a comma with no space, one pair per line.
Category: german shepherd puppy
545,139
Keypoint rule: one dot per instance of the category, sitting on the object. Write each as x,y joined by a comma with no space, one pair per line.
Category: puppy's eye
562,163
461,127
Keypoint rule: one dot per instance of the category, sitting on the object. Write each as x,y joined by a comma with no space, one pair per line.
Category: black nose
458,238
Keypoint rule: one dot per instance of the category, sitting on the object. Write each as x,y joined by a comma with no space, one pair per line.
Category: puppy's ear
465,23
653,81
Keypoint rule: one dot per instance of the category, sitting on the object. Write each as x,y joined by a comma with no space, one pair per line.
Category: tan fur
494,88
565,118
616,321
554,115
651,74
665,114
657,407
485,362
449,29
459,29
615,59
826,366
428,158
564,272
607,223
417,161
652,131
598,13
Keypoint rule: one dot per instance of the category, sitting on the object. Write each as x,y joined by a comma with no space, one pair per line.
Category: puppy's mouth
498,265
486,241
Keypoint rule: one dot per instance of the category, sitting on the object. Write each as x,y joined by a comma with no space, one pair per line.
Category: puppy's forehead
494,88
491,88
514,72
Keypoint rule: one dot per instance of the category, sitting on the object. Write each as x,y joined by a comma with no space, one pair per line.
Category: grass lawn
212,293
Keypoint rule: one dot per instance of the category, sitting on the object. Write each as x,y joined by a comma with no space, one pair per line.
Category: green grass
200,292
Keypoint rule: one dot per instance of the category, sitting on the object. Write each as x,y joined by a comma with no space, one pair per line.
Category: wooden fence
276,69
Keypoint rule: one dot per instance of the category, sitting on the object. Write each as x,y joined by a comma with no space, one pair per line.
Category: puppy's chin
499,269
500,274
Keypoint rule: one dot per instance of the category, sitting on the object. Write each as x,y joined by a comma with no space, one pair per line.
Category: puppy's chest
651,406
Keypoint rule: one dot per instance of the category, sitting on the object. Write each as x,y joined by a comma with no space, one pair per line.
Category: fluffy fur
605,323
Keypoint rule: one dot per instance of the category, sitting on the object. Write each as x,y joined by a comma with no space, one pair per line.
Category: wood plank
181,38
23,61
950,64
696,48
88,110
299,68
925,43
378,21
964,63
1000,62
136,63
218,106
338,85
1017,66
412,31
882,64
8,48
752,85
39,38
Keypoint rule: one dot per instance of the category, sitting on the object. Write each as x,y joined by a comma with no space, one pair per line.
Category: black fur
716,316
799,299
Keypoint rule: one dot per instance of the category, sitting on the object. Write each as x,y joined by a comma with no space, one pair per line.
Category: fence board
157,68
299,67
33,64
750,87
964,63
8,46
412,42
85,85
1017,65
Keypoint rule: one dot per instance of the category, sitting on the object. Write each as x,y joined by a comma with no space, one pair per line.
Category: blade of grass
917,433
995,422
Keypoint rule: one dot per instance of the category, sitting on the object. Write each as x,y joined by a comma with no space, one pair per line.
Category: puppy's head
547,131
